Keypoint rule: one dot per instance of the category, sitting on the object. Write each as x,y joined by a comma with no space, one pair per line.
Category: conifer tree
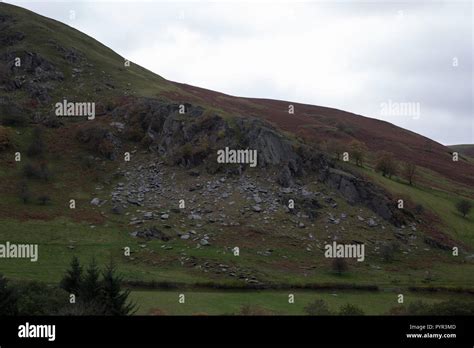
72,281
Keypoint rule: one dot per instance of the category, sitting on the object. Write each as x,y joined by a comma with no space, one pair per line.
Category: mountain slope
105,76
136,203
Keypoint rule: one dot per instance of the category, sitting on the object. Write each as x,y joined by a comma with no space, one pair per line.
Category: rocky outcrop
359,191
192,138
35,74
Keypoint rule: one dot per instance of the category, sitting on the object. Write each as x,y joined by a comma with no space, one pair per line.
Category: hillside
143,174
464,149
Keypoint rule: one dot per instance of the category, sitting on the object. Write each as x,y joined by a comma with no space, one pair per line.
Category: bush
386,164
350,309
318,307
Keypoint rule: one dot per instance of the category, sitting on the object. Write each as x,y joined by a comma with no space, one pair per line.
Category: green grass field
272,302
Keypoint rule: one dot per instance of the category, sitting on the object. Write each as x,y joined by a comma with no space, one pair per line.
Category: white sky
350,55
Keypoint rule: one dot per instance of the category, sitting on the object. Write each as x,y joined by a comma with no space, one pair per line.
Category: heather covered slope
317,123
104,76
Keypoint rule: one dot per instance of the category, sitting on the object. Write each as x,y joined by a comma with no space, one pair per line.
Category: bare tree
409,172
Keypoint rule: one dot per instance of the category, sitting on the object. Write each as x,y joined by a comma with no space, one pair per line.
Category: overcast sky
351,55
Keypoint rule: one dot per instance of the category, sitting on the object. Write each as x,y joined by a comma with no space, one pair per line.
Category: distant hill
465,149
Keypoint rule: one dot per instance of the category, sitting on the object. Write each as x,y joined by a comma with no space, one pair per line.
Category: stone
372,223
257,208
194,217
204,242
95,201
164,216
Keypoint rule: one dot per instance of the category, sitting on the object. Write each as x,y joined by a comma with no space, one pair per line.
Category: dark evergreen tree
91,287
115,300
72,280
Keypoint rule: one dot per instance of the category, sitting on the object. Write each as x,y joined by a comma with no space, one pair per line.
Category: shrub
350,309
318,307
386,164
